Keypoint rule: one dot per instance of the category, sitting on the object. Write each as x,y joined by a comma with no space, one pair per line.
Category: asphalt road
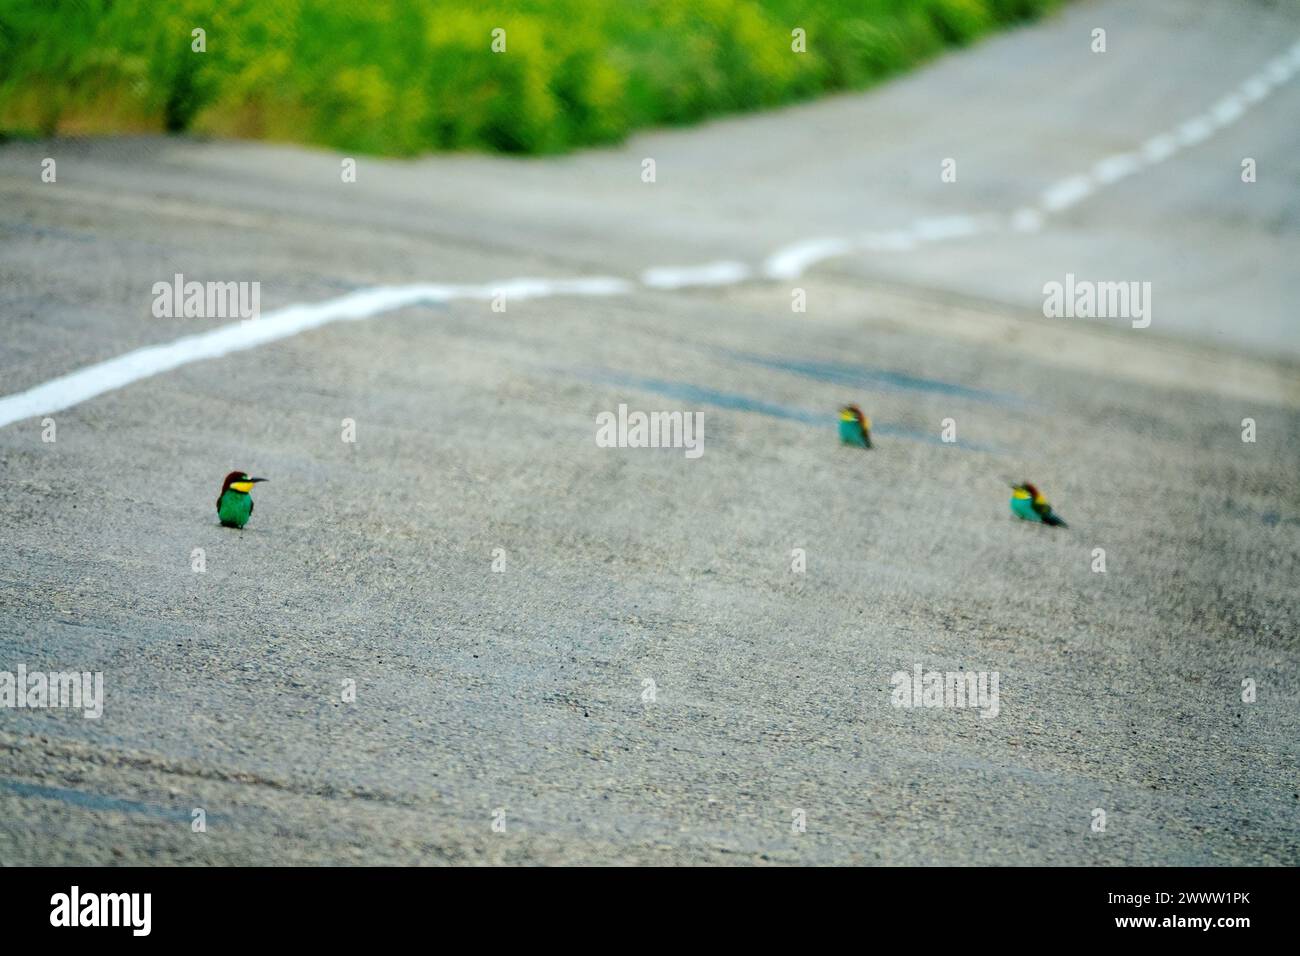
519,696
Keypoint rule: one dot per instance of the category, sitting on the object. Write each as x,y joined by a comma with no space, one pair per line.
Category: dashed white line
685,277
791,261
1066,193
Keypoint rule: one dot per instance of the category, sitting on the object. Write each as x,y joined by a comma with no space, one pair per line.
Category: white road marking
685,277
949,227
789,262
1114,168
1159,148
1026,219
1066,193
83,384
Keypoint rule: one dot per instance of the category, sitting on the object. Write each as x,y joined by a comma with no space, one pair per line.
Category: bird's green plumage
1024,508
234,507
851,433
1035,510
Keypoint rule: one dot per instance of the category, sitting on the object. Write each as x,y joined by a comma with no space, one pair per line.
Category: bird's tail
1053,519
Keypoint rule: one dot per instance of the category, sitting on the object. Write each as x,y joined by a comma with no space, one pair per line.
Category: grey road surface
646,679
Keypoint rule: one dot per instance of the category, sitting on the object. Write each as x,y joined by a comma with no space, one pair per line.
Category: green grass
409,76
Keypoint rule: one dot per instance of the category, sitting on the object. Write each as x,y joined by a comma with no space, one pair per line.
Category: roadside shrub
409,76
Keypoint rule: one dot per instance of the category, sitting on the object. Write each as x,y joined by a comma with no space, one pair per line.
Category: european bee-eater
235,504
855,428
1028,502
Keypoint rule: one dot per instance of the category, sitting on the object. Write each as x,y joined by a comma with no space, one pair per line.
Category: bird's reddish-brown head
1025,488
239,481
851,413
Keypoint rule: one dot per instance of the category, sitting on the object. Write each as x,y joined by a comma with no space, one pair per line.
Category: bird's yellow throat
244,486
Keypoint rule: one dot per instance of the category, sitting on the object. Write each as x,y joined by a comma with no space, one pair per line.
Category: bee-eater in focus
235,504
855,428
1028,502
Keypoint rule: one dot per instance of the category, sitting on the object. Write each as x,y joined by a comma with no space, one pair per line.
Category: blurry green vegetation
408,76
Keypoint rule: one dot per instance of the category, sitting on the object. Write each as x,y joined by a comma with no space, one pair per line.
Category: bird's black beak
256,480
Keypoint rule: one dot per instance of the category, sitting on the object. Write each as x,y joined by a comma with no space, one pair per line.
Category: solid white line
76,387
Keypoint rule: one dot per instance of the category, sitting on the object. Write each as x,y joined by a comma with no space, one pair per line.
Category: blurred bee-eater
855,428
1028,502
